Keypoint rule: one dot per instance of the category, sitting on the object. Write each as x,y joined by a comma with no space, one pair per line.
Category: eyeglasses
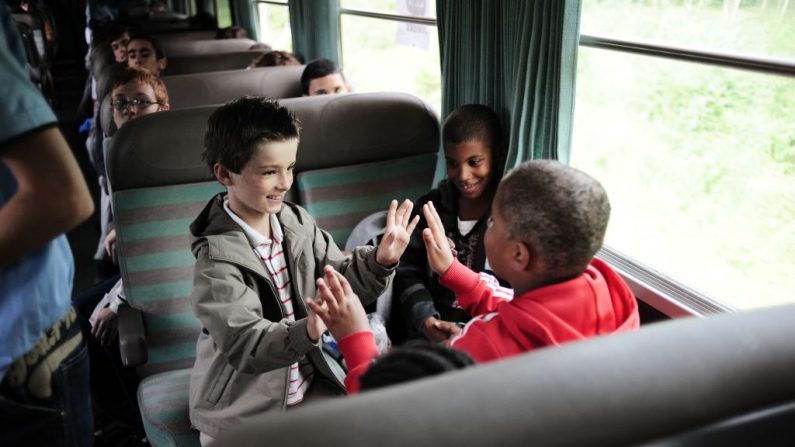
122,104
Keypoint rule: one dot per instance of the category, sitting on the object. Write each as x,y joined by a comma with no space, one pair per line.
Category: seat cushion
338,198
163,399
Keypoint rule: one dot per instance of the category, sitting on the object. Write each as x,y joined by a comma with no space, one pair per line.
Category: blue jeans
64,417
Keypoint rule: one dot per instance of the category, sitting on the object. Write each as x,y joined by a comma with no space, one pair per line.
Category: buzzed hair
318,68
561,213
235,129
142,76
477,122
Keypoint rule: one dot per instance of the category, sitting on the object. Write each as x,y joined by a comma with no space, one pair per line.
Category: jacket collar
228,242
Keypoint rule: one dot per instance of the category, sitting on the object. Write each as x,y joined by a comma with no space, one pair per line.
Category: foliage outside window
274,26
375,59
698,160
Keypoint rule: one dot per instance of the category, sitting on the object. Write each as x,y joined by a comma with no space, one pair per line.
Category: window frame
660,291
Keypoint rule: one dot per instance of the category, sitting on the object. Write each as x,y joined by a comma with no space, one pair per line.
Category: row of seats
356,153
198,89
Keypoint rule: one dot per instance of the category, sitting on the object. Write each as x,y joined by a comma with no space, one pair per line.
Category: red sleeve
359,350
476,342
478,293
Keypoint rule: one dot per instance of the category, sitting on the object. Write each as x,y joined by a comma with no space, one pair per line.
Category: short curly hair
412,361
142,76
558,211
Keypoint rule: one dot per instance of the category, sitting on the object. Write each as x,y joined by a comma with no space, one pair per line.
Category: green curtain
315,26
520,58
245,14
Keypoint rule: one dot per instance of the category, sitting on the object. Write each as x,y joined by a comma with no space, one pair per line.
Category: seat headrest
210,46
217,87
200,63
336,130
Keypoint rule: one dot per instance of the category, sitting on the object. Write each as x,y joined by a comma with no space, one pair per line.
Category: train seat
200,63
202,89
720,380
218,87
209,46
159,184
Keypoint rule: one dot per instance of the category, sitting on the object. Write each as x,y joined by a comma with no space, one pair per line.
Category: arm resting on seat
132,340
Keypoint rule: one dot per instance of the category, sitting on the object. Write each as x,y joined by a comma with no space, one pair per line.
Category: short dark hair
159,54
234,130
561,213
413,360
117,30
476,122
318,68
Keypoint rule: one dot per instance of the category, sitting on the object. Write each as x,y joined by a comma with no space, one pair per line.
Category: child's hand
440,255
110,239
106,326
396,234
337,305
439,330
315,325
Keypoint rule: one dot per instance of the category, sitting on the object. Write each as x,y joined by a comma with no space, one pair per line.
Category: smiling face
259,189
328,85
469,167
141,54
133,91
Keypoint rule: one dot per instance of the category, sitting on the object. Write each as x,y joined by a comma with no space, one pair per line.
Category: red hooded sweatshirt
598,302
595,303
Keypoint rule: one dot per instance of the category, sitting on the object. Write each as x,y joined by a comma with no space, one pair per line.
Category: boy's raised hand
397,233
337,305
440,255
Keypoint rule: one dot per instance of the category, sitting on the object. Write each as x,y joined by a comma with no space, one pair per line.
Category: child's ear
222,174
162,63
522,256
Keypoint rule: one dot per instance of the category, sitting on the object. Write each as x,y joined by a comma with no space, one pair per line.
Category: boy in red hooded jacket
547,222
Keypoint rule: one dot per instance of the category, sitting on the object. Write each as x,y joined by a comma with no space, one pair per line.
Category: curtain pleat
519,57
315,26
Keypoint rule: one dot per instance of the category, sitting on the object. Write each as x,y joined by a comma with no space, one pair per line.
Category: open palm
399,226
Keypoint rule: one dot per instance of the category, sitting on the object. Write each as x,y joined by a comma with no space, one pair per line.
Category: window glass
274,26
408,7
377,57
699,163
224,14
762,27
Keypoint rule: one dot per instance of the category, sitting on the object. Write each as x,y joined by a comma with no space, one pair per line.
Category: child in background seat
257,258
547,223
473,149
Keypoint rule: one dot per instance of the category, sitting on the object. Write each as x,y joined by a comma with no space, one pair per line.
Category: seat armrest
132,339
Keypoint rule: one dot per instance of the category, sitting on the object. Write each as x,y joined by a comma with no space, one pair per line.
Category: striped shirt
271,252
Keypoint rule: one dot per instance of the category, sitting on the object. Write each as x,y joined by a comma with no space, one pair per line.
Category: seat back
200,63
618,390
218,87
360,152
174,48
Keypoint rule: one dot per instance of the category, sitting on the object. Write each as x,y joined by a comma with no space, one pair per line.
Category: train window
698,155
392,51
224,13
756,27
274,24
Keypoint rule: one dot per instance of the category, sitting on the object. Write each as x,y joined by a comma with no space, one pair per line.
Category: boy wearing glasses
136,92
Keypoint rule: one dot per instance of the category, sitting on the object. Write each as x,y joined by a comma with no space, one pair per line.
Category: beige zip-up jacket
246,345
